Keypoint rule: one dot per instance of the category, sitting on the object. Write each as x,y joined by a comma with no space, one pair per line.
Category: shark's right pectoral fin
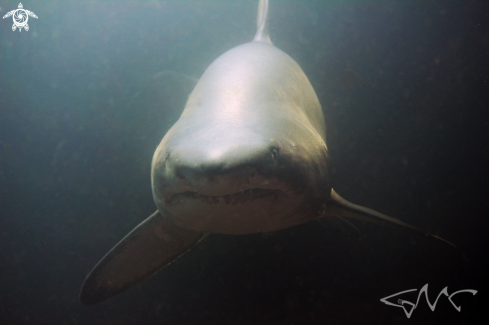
153,244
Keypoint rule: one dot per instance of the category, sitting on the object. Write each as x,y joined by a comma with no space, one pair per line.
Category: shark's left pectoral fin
338,206
150,246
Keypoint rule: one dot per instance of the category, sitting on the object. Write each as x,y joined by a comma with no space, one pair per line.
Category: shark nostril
179,175
167,156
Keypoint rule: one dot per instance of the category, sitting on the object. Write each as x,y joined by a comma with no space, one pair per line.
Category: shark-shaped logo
409,307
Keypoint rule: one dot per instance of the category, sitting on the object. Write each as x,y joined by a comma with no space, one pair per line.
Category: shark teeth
232,199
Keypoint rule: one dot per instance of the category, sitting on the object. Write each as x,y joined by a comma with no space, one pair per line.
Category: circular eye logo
20,17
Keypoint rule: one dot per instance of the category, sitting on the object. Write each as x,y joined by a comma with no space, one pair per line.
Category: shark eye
274,152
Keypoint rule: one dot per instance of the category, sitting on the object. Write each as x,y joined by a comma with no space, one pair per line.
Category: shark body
247,155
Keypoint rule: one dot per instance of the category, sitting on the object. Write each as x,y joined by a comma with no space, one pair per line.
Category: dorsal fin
262,23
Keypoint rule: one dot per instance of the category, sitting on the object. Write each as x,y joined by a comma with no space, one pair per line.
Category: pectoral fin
153,244
338,206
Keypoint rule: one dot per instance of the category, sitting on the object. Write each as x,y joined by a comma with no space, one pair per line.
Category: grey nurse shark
247,155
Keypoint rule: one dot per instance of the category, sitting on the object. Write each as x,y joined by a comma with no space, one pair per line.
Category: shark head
248,153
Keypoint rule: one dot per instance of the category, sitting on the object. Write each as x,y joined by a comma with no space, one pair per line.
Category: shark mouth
230,199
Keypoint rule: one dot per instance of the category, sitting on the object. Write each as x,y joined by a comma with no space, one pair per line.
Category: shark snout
216,168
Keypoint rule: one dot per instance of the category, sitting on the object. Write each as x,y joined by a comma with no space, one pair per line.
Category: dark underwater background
89,91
